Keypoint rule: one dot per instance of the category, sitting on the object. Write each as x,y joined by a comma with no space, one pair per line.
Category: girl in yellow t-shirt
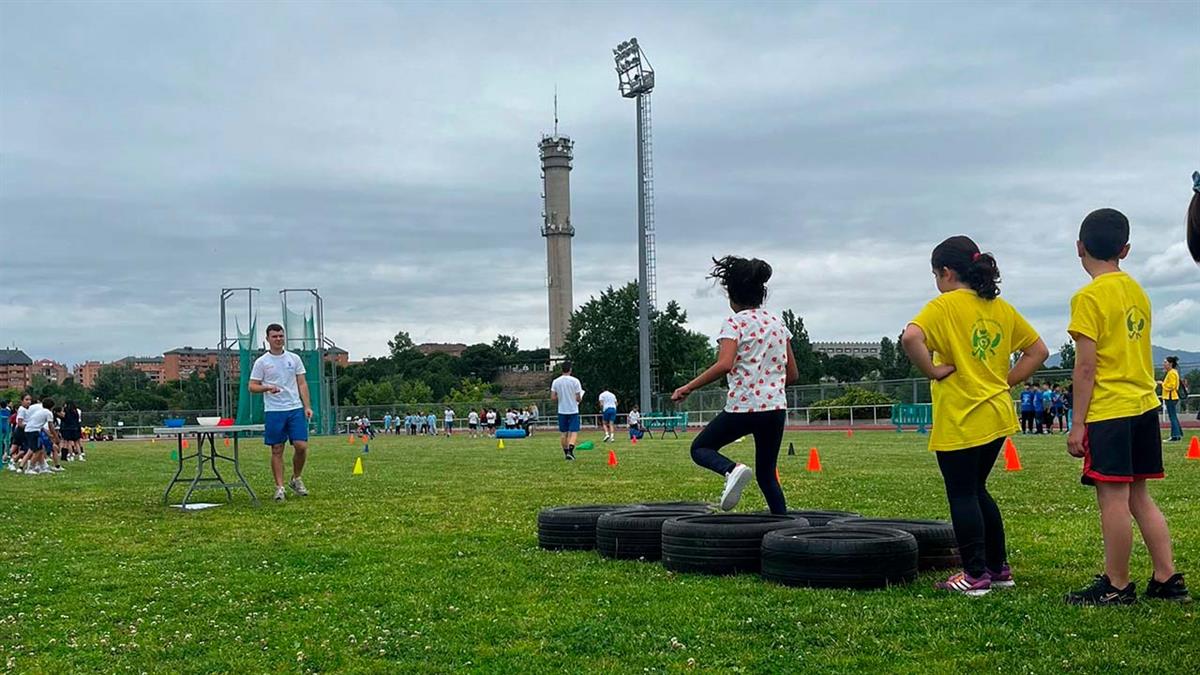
1170,394
972,333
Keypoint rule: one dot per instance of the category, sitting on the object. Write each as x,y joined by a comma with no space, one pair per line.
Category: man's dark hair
1104,233
274,327
566,367
48,403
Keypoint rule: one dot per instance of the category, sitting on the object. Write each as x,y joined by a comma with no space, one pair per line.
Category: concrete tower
557,152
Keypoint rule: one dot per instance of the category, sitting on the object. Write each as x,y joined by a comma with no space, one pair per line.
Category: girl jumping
972,334
754,353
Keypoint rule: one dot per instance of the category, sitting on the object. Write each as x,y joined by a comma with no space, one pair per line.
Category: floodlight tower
635,79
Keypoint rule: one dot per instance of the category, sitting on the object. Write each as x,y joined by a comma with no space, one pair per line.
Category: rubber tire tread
868,557
935,538
719,543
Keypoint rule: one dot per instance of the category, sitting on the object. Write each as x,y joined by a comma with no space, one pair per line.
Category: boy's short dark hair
1104,232
566,366
274,327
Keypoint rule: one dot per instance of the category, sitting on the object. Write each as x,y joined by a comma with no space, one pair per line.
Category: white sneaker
297,486
83,458
70,458
57,469
279,494
735,482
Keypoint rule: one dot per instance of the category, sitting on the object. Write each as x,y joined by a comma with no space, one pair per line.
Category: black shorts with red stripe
1123,450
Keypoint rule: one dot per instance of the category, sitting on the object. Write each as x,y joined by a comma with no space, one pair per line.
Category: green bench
666,423
918,414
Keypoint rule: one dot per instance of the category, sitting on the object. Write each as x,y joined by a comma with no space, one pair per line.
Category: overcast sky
385,153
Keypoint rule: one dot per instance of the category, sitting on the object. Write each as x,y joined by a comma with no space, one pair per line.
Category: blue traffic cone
366,448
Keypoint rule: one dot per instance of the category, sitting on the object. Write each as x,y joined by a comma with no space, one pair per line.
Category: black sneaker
1102,592
569,456
1172,589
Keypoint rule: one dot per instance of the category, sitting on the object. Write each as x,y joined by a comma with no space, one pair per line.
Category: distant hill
1188,361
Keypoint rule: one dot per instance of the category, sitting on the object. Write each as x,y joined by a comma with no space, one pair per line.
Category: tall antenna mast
555,109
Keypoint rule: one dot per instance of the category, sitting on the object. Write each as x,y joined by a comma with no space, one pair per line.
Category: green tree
414,391
374,393
602,343
807,361
471,391
506,346
846,368
480,361
1067,353
115,380
401,345
902,368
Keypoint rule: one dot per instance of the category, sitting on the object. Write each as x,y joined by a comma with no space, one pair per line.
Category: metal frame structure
635,79
324,344
227,351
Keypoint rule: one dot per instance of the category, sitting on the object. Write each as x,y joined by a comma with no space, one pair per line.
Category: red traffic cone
227,442
350,439
185,444
1012,462
849,433
633,440
814,461
612,458
1194,448
365,439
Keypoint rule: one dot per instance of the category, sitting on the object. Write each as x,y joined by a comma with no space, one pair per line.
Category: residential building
452,348
16,369
856,349
152,366
85,373
52,370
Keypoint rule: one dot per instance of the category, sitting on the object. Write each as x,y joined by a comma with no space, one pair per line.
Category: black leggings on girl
727,427
978,526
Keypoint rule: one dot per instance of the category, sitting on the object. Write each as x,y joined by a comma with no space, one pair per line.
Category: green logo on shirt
1135,322
985,338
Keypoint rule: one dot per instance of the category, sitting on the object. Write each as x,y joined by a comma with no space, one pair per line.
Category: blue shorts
285,425
568,423
610,414
39,440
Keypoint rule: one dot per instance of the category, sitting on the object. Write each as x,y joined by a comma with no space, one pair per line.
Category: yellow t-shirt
1171,386
974,405
1114,311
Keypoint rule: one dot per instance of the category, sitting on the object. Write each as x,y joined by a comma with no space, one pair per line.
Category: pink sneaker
1003,578
961,582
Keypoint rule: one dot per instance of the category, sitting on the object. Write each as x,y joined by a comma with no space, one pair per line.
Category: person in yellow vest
1116,429
972,334
1170,394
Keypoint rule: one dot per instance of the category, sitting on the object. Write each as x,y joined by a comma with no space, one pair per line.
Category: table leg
179,468
199,471
237,467
212,461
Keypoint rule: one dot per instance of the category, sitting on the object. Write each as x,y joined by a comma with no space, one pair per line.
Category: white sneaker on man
279,494
297,486
83,458
735,482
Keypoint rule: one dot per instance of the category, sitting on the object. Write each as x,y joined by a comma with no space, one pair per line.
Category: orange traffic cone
814,461
227,442
849,433
612,458
350,439
185,444
1194,448
633,440
1011,461
365,439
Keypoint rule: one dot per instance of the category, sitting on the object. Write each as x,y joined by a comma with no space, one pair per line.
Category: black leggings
726,427
978,526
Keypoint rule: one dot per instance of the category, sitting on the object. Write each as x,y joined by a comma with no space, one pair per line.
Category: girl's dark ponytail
976,269
744,280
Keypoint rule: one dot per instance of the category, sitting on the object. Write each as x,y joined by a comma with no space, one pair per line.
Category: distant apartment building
16,369
452,348
152,366
180,363
85,373
52,370
859,350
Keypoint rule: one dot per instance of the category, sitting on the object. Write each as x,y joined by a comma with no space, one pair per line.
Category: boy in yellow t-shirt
1115,428
972,333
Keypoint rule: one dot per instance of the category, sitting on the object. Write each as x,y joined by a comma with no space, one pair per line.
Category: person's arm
257,387
579,395
553,394
1032,358
913,341
1084,379
726,352
302,387
793,371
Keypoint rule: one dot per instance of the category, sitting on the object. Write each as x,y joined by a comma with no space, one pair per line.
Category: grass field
428,563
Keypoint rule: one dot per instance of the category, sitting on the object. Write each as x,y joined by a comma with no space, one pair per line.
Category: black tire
724,543
839,557
637,533
707,506
938,549
819,518
572,527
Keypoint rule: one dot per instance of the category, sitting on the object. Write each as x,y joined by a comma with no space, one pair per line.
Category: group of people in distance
37,436
963,341
1041,407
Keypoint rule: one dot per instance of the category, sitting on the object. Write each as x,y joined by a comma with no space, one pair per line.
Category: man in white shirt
608,411
449,421
568,392
473,423
40,436
279,376
491,422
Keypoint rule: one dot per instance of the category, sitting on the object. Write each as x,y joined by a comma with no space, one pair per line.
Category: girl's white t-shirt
756,383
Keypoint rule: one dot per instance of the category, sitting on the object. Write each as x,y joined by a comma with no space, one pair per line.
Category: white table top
197,428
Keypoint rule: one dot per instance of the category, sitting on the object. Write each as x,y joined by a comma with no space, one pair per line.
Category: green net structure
301,330
249,407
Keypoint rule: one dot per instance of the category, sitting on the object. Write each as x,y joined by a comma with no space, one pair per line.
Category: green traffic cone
174,455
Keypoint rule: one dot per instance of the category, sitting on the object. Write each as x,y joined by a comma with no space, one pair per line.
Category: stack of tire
937,547
573,528
636,534
719,543
817,518
847,556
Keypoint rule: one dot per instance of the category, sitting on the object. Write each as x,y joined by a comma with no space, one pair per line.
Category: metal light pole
635,79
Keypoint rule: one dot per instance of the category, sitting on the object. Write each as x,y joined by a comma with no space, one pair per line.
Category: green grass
429,563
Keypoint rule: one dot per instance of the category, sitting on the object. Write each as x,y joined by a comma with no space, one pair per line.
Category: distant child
1048,407
608,412
1115,427
1059,408
491,422
1039,410
972,333
448,420
1027,408
1170,394
635,423
431,423
473,423
5,429
754,354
